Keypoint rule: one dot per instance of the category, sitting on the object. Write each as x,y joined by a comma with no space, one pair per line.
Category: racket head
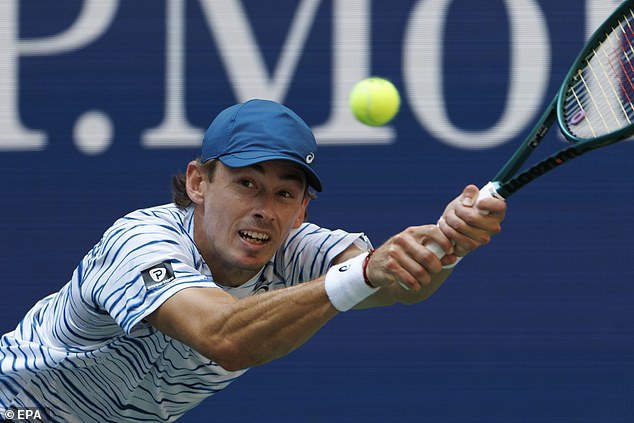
595,104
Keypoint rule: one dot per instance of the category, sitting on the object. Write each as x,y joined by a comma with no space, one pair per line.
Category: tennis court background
538,326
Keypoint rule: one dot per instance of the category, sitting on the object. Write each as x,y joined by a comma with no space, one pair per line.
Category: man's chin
253,262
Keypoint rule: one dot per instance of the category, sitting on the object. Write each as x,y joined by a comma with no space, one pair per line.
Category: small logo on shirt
161,273
344,268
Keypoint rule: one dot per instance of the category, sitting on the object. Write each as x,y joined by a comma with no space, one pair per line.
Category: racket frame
507,181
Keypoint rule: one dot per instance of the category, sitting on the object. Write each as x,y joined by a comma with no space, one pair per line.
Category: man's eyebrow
293,175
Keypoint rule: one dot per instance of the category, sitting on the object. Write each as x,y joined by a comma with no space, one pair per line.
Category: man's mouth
254,236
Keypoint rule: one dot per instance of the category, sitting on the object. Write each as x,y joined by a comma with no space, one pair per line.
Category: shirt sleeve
310,250
136,267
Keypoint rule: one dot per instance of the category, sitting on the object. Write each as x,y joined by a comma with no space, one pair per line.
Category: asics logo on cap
310,157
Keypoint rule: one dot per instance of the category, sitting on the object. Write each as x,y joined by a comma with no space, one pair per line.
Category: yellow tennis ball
374,101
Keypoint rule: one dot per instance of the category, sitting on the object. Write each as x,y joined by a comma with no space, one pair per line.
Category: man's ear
194,178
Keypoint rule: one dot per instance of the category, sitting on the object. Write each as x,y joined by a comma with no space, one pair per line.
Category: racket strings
600,96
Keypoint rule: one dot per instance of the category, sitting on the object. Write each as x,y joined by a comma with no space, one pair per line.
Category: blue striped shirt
86,354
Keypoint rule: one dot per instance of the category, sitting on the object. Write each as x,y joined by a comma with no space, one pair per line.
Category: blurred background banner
101,101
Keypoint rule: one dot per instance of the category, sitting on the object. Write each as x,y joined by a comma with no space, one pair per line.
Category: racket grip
436,249
487,191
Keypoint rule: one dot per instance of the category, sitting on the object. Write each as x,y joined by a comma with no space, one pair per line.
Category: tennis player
163,311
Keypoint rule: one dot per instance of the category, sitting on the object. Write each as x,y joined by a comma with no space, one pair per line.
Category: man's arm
248,332
395,292
243,333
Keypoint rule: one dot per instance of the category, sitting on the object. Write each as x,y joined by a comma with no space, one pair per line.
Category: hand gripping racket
594,107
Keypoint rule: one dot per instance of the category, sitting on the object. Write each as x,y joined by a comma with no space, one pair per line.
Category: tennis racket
594,107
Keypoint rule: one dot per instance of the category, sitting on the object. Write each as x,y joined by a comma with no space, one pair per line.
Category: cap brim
248,158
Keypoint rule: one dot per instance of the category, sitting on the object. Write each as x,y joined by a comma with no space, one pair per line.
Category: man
161,313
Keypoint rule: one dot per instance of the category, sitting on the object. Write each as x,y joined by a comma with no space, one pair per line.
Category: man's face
244,214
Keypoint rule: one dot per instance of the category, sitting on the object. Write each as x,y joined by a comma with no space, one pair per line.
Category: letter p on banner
94,18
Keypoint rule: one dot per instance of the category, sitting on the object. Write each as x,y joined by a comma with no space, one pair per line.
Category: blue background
537,326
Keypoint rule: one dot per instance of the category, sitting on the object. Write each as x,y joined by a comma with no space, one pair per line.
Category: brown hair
179,183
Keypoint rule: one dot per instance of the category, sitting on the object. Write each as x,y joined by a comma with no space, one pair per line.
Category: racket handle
436,249
487,191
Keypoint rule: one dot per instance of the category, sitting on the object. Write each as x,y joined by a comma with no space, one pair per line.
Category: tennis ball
374,101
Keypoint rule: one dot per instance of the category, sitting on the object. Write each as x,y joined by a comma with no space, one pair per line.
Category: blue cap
261,130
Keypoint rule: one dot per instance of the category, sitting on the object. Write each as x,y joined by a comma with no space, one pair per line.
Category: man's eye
246,183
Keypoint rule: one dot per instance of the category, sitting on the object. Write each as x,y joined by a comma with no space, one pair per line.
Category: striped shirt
86,354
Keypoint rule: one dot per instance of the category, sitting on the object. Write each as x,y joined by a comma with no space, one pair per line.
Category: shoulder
164,215
310,233
167,219
151,230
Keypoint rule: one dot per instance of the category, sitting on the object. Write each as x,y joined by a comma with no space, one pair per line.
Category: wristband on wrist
346,284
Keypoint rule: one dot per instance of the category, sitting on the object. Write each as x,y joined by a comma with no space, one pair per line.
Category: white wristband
345,284
451,266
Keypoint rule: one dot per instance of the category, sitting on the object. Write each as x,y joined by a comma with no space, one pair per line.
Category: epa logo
159,274
23,414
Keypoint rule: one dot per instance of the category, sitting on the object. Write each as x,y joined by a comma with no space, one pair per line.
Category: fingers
407,258
492,206
471,224
468,196
466,236
404,258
